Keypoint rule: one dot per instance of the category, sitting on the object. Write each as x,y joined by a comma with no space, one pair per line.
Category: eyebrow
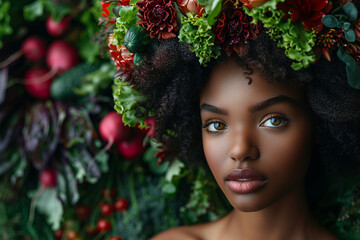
256,108
212,108
271,101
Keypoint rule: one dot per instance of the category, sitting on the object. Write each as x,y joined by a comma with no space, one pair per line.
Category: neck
289,218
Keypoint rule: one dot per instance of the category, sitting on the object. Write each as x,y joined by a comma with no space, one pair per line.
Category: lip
244,180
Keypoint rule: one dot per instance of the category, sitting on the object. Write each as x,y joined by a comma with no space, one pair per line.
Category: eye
214,127
274,121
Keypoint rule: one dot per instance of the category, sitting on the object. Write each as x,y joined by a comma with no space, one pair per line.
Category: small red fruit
48,178
121,204
103,225
83,212
115,238
71,234
106,209
59,233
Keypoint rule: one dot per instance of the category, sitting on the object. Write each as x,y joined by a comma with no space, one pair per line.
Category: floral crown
306,30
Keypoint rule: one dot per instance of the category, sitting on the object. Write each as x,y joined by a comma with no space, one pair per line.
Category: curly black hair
172,79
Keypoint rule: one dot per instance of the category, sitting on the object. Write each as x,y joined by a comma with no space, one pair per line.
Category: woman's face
257,137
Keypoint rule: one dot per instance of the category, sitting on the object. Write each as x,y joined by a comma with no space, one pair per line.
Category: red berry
48,178
106,209
103,225
150,121
71,234
59,233
108,193
121,204
82,212
115,238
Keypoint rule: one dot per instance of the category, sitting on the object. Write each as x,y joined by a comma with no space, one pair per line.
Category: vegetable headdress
305,30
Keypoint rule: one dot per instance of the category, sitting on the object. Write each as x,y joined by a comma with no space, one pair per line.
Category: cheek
291,154
215,153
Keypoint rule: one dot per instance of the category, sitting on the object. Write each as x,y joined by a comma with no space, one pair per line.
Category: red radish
34,49
82,212
48,178
61,56
57,29
112,128
106,209
133,147
103,225
38,82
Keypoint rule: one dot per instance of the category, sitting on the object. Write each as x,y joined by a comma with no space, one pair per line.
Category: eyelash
283,122
206,127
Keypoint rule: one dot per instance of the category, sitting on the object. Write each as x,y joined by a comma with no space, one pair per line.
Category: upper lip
244,174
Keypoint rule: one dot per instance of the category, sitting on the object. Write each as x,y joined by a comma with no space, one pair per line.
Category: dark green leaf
352,69
169,188
350,35
330,21
351,11
49,204
346,26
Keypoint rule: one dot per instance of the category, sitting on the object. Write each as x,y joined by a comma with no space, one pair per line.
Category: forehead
229,84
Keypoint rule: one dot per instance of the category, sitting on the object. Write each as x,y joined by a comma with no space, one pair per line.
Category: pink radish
38,82
47,179
34,49
133,147
57,29
112,128
61,56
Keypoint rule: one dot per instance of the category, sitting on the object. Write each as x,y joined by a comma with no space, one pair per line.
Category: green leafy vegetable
352,68
126,20
197,32
212,8
5,28
126,101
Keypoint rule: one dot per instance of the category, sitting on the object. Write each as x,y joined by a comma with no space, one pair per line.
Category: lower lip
245,186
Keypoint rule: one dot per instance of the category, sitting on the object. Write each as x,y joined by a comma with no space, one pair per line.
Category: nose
243,147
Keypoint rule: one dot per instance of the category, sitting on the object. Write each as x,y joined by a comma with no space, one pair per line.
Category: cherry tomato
59,233
82,212
108,193
115,238
103,225
121,204
106,209
71,234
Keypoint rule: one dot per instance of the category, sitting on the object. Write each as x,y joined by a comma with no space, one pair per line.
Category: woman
271,136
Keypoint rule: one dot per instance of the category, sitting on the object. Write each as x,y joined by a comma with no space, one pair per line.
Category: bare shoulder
179,233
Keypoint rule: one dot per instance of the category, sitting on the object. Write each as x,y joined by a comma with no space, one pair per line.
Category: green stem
133,198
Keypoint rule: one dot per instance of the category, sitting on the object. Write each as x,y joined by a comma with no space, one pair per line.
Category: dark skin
266,128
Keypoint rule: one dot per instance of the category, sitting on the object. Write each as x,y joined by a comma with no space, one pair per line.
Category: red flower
186,6
106,13
158,17
122,57
233,29
309,12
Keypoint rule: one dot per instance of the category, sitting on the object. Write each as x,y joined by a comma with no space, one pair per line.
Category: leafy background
61,135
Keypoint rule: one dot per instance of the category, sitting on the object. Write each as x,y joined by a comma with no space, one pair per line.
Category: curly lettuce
197,32
126,101
293,37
